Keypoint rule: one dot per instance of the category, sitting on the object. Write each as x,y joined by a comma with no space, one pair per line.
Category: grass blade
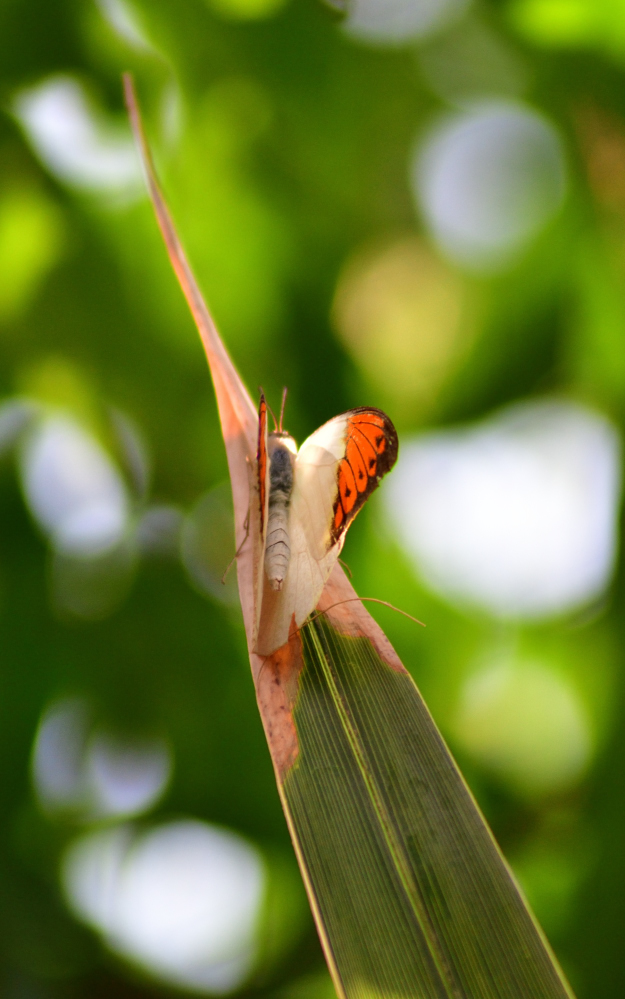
411,895
393,841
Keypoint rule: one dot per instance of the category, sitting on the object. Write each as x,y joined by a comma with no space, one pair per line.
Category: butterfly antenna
270,409
373,600
348,600
347,568
246,525
284,392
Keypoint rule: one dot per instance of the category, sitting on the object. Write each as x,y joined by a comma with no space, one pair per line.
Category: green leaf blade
414,896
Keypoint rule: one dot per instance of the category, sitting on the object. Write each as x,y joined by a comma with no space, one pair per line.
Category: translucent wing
336,469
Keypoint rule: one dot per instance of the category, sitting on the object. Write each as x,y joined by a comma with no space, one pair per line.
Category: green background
286,153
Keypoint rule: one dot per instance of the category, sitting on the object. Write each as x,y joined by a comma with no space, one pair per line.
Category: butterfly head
280,438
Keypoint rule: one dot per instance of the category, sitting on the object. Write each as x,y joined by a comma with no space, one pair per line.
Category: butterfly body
281,451
307,500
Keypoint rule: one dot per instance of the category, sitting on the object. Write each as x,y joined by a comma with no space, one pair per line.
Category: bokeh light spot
207,545
31,242
246,10
72,487
563,22
94,773
517,514
181,900
487,180
126,777
78,145
395,22
471,62
16,415
125,23
158,530
525,723
405,317
57,762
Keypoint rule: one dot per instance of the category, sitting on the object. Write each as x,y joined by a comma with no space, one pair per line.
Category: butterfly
307,498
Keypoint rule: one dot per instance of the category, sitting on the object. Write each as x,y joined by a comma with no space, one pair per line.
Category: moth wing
336,469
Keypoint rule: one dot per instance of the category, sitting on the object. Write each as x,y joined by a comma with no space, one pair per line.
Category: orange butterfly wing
370,452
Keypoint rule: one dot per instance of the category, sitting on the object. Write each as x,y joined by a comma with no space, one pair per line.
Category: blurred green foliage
284,147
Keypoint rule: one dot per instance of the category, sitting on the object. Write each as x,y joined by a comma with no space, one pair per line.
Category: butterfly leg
346,567
246,525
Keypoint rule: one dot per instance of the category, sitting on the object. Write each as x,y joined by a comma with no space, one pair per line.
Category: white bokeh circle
181,900
487,180
517,514
395,22
72,487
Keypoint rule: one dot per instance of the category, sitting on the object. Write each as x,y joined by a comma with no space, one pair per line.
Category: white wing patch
313,556
336,469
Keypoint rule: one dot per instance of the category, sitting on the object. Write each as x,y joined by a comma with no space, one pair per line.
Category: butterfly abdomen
278,549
